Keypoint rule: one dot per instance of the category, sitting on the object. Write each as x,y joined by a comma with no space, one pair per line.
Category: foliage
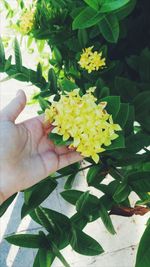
120,30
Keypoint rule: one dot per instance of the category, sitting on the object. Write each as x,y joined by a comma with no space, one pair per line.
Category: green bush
120,30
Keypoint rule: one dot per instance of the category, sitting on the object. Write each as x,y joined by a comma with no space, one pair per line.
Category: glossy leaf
122,192
25,240
122,115
140,181
46,258
113,105
82,201
93,3
82,37
43,103
106,219
53,80
95,175
39,72
70,180
71,195
2,52
109,28
37,194
18,57
111,5
143,254
84,244
119,142
87,18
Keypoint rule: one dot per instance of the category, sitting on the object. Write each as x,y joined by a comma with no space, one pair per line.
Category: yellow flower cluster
87,123
91,60
27,21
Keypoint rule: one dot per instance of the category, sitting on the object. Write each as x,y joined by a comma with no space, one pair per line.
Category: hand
26,154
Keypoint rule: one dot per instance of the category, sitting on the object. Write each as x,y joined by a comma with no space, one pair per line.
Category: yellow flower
82,120
91,61
27,21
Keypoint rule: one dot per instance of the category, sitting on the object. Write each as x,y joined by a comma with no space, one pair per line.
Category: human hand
26,154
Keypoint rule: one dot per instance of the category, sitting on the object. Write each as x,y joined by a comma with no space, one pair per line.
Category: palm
41,155
27,155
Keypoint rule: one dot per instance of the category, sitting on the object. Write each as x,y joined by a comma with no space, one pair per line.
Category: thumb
14,108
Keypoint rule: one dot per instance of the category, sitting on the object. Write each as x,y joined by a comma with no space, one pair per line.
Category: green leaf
39,72
111,5
124,11
128,127
122,115
86,18
82,201
57,54
59,255
79,220
40,45
25,240
119,142
84,244
140,181
44,219
136,142
46,257
36,260
142,101
71,195
93,4
56,223
109,28
43,103
142,109
58,139
122,192
113,105
106,219
8,64
67,85
86,203
61,227
82,37
18,76
2,53
6,204
37,194
144,68
143,254
94,175
126,88
70,169
18,57
53,80
70,180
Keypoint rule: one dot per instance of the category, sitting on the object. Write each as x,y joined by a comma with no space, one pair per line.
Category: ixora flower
91,61
81,120
26,21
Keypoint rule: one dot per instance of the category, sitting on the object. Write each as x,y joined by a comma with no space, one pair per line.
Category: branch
128,212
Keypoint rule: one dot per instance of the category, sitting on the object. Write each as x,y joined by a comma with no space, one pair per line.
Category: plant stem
59,255
118,173
82,169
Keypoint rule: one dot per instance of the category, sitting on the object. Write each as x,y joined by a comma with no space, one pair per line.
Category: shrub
101,44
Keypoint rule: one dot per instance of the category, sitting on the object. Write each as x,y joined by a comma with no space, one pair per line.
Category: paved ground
120,250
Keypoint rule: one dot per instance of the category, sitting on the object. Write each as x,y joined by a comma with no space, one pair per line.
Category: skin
26,154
